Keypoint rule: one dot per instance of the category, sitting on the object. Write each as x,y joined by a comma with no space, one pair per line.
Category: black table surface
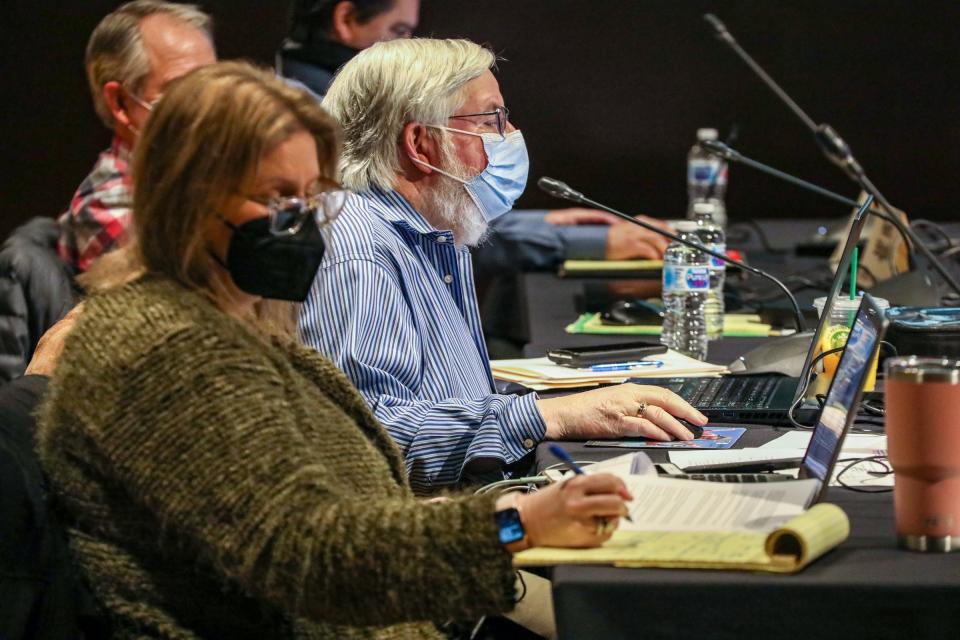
865,588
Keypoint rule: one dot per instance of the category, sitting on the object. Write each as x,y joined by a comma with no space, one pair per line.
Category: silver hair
390,84
115,52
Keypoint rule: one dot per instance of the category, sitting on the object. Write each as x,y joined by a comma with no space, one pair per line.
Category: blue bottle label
717,262
680,278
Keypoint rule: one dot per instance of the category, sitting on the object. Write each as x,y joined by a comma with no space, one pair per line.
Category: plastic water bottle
706,178
686,282
711,236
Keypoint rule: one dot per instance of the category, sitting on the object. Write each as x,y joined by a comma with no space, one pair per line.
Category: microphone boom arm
725,36
723,151
835,148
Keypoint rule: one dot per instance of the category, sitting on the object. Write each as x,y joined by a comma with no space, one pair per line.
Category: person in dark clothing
36,290
325,34
36,595
41,597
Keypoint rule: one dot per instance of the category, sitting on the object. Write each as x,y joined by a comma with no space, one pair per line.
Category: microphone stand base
917,288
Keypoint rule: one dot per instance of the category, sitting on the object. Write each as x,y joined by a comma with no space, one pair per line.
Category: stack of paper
793,445
540,373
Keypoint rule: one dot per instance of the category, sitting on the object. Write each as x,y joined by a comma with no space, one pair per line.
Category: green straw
853,273
853,282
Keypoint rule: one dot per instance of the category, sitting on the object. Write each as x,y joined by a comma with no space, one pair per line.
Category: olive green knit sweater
220,485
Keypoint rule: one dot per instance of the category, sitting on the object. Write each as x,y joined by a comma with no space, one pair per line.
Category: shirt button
441,238
529,444
448,278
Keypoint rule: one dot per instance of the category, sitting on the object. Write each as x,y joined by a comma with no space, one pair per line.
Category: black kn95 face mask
271,265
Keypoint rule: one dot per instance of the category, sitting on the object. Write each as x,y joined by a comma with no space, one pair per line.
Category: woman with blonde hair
220,479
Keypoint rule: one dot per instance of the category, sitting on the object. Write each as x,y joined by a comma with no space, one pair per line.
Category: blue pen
626,366
565,458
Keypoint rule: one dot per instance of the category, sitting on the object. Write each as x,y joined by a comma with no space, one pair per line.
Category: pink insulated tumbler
923,443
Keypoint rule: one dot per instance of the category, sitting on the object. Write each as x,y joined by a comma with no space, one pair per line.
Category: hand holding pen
564,457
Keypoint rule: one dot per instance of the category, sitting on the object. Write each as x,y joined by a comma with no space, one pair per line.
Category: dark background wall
609,94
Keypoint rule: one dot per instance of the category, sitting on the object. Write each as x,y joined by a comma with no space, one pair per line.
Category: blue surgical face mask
497,187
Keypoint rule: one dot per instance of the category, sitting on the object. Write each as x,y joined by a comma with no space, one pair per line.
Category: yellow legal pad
612,268
787,549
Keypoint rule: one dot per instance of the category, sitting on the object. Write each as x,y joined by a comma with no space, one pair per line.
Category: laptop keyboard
732,477
730,392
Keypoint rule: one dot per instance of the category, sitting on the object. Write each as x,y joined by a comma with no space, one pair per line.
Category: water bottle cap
707,134
704,207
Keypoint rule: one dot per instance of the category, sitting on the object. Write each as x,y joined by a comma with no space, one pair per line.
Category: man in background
325,34
131,57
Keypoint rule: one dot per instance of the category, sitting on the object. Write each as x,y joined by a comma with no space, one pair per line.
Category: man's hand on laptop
620,411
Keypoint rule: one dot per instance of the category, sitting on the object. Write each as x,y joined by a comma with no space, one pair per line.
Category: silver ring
641,409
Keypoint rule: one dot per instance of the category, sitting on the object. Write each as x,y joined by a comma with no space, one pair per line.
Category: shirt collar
120,149
398,211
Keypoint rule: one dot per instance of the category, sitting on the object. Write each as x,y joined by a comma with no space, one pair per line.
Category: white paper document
663,504
855,445
869,473
637,464
684,459
853,442
541,373
790,440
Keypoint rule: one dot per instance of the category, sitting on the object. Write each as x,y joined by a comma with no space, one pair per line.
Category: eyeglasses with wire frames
498,118
139,100
288,213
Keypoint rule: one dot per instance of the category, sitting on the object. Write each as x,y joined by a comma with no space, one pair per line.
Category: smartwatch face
510,526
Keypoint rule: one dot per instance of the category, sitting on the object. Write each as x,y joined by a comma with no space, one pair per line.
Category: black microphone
559,189
830,142
562,190
834,147
719,27
725,36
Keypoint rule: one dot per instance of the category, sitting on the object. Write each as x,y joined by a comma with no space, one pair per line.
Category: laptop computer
837,415
763,398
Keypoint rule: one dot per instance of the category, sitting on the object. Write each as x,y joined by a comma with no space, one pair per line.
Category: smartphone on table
605,353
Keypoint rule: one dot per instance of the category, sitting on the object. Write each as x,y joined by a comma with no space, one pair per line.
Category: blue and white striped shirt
394,305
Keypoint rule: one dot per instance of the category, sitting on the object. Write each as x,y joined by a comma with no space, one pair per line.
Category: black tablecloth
865,588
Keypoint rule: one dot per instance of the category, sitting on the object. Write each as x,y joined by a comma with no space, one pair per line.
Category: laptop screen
840,405
853,237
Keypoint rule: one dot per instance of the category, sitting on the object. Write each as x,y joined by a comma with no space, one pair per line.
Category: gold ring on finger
641,409
603,526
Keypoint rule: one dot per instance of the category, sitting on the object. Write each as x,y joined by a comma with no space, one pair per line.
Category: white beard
449,206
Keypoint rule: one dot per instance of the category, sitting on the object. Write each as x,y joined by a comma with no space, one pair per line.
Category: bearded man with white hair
432,158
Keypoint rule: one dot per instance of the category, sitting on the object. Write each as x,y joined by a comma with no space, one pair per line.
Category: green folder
735,325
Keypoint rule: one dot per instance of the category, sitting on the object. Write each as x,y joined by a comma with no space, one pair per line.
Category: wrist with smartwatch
509,519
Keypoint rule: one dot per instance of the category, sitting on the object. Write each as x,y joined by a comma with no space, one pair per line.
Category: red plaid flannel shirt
99,213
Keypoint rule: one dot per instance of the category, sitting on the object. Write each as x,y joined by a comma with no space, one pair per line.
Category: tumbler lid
919,370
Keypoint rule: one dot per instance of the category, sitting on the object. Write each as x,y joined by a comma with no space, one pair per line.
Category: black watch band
510,529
